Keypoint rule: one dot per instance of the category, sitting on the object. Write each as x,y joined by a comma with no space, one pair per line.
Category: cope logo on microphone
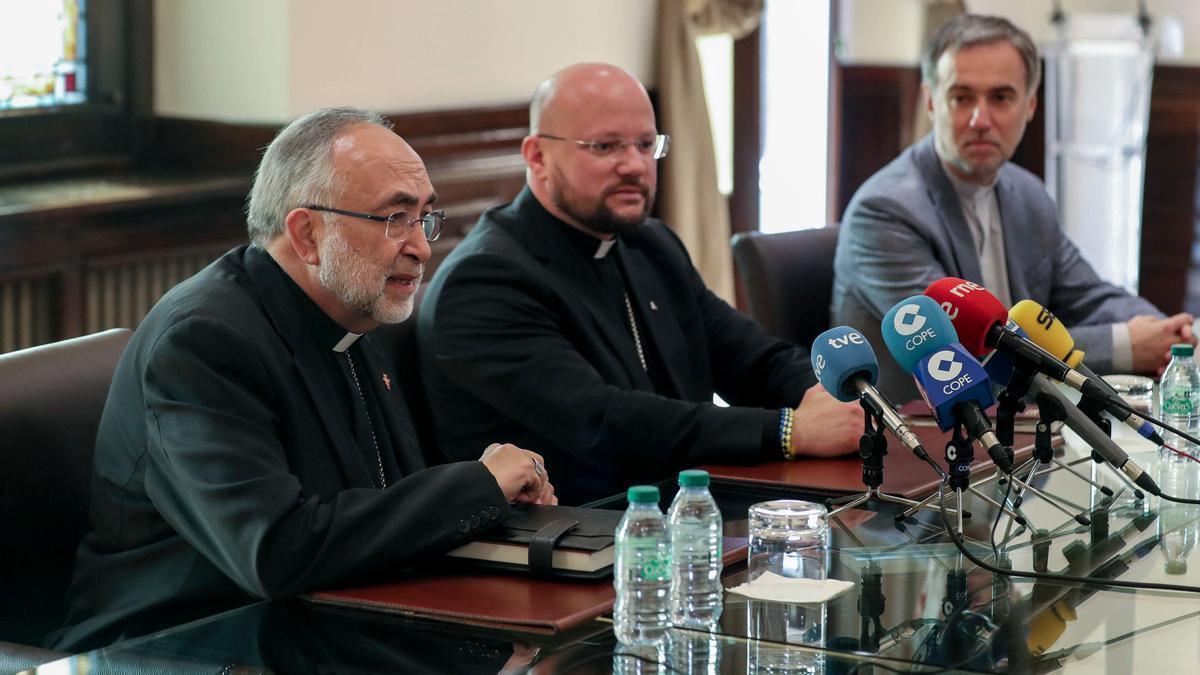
908,319
909,323
944,367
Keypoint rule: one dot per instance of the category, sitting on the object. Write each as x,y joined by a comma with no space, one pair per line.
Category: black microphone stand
960,453
871,604
1050,410
1012,401
872,446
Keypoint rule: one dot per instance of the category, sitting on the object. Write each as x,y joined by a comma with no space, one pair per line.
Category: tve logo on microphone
851,338
836,342
841,357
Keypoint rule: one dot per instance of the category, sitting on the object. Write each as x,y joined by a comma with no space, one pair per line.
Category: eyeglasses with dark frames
655,147
399,225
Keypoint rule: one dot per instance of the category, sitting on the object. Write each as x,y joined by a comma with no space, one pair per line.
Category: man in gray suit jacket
952,205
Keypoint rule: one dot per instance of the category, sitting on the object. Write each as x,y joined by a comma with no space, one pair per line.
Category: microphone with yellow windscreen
1046,331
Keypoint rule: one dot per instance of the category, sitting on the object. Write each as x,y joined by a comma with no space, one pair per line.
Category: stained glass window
42,53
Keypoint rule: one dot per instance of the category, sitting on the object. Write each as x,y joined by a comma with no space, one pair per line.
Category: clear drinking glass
789,538
1137,390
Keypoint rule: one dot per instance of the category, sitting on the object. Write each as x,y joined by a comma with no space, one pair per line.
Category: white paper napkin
778,588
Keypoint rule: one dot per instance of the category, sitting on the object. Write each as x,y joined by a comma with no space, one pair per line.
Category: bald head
588,151
564,93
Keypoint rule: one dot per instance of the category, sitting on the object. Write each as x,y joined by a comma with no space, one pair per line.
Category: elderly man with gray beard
254,443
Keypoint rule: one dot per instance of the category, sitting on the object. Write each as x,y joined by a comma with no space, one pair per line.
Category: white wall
272,60
1034,16
888,32
880,32
221,59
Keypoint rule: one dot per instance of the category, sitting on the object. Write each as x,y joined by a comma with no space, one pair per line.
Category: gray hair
297,169
967,30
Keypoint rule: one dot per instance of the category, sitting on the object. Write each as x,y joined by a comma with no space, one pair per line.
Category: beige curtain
937,12
691,202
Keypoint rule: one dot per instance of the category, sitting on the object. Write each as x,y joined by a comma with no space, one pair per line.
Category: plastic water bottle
695,524
642,574
1177,523
1179,402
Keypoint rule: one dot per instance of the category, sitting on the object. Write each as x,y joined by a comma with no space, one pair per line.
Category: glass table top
916,605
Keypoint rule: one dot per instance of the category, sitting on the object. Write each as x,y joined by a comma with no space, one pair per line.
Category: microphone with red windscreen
981,322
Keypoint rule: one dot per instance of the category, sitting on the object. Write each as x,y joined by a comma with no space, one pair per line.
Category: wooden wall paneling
190,194
877,104
1169,189
744,203
1031,151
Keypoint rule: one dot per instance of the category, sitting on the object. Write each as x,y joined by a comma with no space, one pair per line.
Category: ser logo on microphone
944,367
1045,318
907,322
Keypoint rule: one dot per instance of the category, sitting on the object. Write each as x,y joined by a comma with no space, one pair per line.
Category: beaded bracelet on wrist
785,431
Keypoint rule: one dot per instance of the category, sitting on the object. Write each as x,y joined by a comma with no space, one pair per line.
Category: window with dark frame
75,94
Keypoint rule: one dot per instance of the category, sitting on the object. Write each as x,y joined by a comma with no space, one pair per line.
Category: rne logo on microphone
847,339
908,319
943,367
965,288
950,310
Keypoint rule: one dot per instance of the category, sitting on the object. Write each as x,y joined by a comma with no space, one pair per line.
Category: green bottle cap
693,478
642,494
1182,350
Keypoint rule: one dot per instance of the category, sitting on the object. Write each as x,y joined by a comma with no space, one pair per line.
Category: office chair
51,398
788,279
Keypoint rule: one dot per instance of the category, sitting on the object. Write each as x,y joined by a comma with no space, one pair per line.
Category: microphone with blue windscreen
953,383
845,364
914,328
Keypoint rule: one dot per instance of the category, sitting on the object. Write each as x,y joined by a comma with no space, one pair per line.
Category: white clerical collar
604,247
344,344
968,190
